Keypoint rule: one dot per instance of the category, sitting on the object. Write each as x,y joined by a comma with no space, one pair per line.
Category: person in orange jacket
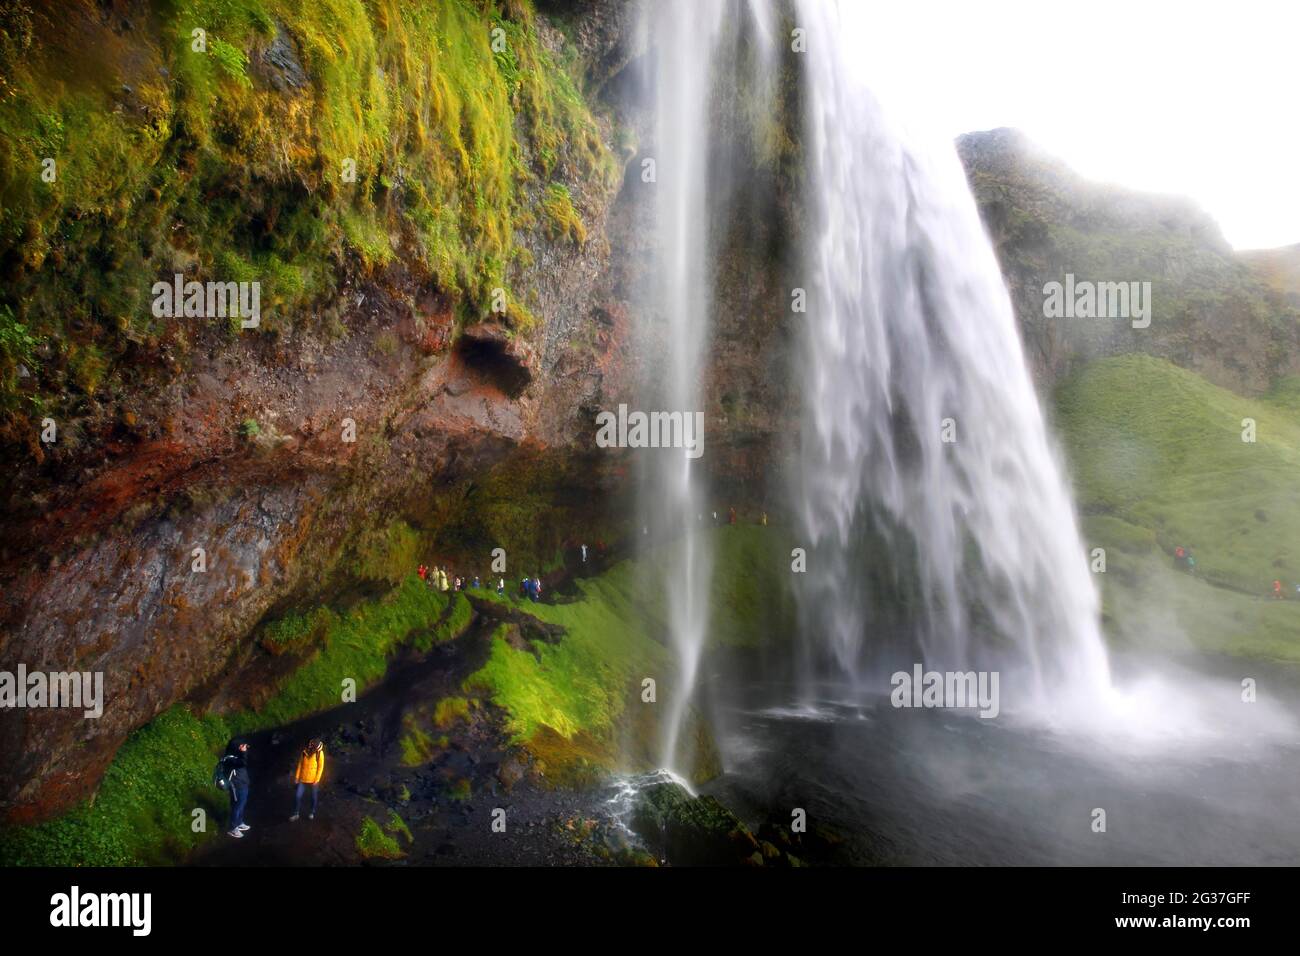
310,769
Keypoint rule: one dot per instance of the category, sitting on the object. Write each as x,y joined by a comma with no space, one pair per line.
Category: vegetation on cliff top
282,141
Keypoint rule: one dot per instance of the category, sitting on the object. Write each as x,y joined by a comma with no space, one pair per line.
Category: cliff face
1211,312
387,409
282,452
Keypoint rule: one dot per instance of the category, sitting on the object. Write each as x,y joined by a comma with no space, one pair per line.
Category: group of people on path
232,775
437,578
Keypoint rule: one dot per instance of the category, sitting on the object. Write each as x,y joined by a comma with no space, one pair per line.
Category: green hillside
1158,461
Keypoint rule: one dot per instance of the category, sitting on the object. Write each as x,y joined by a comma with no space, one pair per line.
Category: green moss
374,843
389,553
410,132
357,647
397,826
562,220
142,810
298,632
450,710
417,747
459,614
581,683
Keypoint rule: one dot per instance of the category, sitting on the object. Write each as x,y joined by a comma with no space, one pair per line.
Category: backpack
220,775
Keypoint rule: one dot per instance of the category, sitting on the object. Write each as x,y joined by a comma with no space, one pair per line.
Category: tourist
310,769
233,770
1277,590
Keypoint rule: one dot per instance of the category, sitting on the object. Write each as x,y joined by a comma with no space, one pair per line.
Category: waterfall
683,36
926,492
923,447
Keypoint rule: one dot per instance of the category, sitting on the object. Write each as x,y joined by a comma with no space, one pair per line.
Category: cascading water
937,524
682,39
921,431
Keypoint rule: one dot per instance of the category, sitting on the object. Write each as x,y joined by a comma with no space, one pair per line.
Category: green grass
579,684
141,812
450,710
1159,462
1161,448
577,703
379,841
417,746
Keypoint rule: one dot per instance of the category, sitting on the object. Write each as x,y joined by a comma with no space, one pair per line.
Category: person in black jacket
235,766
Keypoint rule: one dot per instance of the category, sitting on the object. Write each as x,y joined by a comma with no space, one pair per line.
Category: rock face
1211,313
153,539
148,546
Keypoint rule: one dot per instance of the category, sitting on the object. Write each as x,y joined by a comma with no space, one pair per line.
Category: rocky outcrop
242,478
150,541
1210,311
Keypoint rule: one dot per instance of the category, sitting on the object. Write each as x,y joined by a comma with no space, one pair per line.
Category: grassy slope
142,811
569,700
1158,462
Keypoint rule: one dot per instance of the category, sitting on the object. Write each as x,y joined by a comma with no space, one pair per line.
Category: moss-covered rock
691,831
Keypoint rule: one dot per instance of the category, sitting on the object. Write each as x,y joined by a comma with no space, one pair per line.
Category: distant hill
1232,318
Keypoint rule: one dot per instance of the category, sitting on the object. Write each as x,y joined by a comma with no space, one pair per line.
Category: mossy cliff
241,140
419,190
432,199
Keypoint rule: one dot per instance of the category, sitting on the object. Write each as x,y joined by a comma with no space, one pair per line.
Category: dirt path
446,798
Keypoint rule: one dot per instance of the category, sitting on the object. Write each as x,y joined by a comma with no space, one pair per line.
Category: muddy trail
387,754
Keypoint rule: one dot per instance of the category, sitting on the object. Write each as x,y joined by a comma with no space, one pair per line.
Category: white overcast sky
1195,98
